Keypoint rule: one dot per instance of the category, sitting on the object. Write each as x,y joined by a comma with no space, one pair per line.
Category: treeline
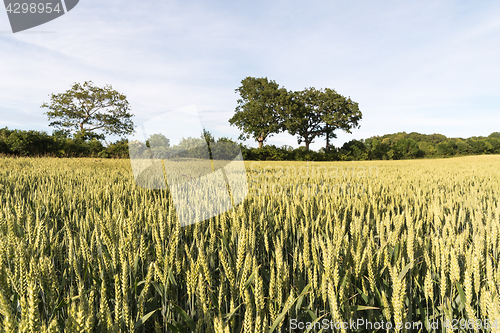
205,147
387,147
60,144
36,143
415,145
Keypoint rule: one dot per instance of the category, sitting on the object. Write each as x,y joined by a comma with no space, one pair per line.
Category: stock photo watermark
27,14
205,179
365,325
359,324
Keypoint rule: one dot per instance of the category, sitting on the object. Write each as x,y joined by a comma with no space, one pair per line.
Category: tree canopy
304,118
265,109
85,109
337,112
258,112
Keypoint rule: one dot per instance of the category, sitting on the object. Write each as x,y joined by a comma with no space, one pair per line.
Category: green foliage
35,143
265,109
396,146
26,143
207,136
159,145
315,113
84,109
118,149
204,147
415,145
190,143
388,147
304,118
266,153
304,154
258,112
354,150
224,149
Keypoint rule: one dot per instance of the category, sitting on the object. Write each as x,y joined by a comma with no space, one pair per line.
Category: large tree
303,117
85,109
337,112
315,113
258,112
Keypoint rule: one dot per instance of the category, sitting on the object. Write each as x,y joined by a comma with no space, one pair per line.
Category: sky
427,66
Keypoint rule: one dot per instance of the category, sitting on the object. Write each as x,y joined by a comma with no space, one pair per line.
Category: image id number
456,324
23,8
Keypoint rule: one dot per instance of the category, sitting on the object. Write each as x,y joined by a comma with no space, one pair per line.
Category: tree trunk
307,145
327,131
260,140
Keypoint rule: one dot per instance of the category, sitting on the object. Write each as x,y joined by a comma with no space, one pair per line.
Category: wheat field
83,249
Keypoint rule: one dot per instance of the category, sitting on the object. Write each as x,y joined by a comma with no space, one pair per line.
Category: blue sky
428,66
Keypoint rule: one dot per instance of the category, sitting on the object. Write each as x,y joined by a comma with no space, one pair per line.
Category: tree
30,143
304,117
258,111
337,112
354,150
207,136
84,109
159,145
158,140
319,113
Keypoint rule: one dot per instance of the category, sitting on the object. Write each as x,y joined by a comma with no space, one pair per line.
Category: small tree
158,140
159,145
85,109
